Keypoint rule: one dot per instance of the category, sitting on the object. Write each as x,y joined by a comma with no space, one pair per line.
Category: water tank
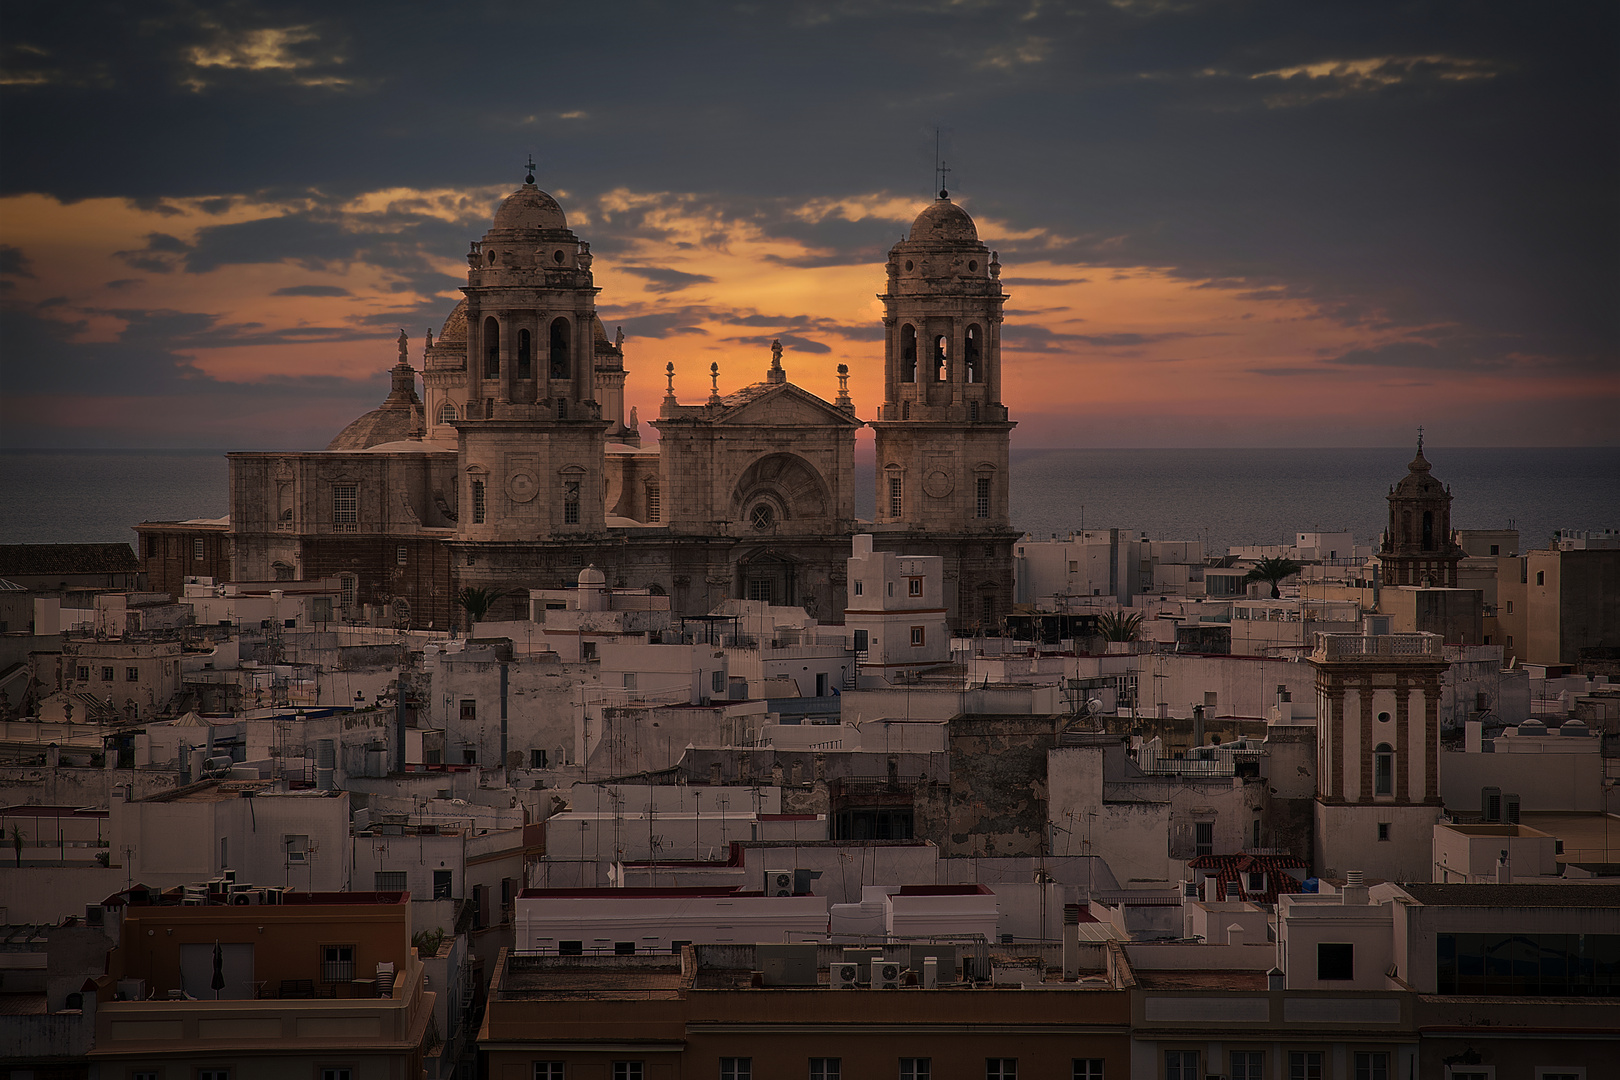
325,763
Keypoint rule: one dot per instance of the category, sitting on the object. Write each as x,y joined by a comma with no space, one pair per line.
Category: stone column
1403,750
1366,763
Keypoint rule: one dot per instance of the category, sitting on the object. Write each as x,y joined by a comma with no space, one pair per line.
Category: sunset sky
1221,224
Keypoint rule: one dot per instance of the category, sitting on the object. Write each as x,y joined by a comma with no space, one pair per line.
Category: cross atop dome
528,176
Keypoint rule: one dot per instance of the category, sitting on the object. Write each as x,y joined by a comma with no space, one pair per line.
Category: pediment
784,405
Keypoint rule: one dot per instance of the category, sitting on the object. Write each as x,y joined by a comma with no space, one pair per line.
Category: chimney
1275,979
1504,869
1234,934
1354,892
1071,942
1198,725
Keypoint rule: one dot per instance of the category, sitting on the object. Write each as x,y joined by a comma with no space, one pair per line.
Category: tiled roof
24,559
1226,869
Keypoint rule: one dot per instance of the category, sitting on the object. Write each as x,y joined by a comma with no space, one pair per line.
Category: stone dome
529,208
455,327
591,576
388,423
945,221
1417,480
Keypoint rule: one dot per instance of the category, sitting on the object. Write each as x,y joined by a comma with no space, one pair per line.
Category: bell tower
531,439
1417,547
942,432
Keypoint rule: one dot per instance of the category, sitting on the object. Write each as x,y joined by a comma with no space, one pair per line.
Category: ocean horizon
1223,496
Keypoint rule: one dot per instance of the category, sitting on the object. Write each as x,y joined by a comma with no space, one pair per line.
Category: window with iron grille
389,880
106,674
345,508
349,589
469,709
897,496
337,963
1204,837
478,503
197,549
571,502
399,556
132,674
655,512
981,506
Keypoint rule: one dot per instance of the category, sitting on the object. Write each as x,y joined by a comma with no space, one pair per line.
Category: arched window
1428,530
1406,527
447,413
559,348
478,502
942,367
1384,769
492,349
908,353
525,356
971,355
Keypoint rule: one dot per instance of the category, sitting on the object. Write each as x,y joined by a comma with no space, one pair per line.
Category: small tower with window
1378,753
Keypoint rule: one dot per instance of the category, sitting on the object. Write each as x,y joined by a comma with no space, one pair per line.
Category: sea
1223,497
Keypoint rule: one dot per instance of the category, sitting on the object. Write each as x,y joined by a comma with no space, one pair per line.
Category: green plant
1274,571
428,942
476,601
1118,626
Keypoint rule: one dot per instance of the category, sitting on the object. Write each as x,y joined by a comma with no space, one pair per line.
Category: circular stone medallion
938,484
522,486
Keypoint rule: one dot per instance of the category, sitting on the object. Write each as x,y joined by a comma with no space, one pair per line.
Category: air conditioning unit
243,899
272,895
845,976
779,883
886,975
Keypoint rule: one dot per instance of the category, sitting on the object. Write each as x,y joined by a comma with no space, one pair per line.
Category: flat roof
635,893
1487,894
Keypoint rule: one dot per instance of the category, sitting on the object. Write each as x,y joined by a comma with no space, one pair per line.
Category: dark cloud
789,341
13,263
1418,354
312,290
1038,281
664,280
1289,371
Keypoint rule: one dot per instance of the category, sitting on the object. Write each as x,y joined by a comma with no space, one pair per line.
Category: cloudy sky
1222,223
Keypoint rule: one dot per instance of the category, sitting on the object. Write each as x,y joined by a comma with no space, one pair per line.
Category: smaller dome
455,327
1531,727
530,208
944,220
591,576
1575,727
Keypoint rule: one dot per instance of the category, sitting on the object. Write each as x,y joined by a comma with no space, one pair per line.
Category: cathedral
517,466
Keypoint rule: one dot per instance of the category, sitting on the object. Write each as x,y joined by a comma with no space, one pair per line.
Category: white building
896,613
658,920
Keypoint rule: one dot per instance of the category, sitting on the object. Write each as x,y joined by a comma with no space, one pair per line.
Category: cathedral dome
455,327
530,208
389,423
1417,482
944,220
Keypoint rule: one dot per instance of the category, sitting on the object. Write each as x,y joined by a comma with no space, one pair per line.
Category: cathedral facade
517,466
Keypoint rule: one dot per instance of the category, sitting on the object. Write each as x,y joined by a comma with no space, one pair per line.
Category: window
717,682
492,343
1372,1066
337,963
736,1069
1000,1069
1384,770
197,549
1204,838
1248,1065
897,491
627,1070
1181,1065
1559,1072
399,556
981,506
571,510
1088,1069
389,881
1255,883
559,352
762,516
106,674
478,502
441,885
348,589
825,1068
908,353
1541,577
759,589
337,1074
942,365
525,355
916,635
469,709
1510,607
1335,961
213,1074
345,508
655,507
914,586
548,1070
1454,1073
84,673
1305,1065
970,355
143,1076
1383,830
857,587
570,948
447,413
132,674
297,848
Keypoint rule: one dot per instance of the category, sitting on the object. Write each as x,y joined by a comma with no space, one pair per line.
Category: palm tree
1274,571
1118,626
476,601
